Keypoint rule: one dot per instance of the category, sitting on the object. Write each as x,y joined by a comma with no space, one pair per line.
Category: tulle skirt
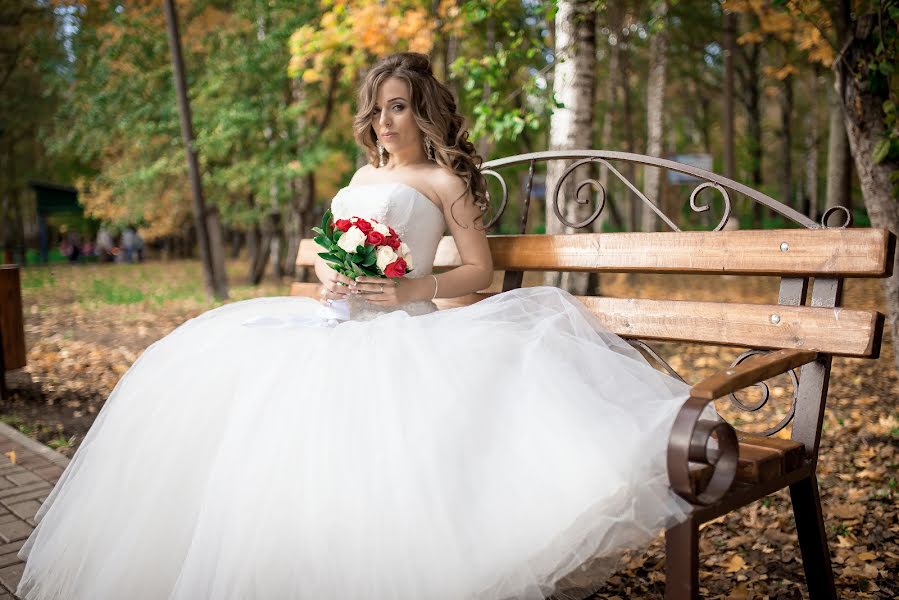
265,451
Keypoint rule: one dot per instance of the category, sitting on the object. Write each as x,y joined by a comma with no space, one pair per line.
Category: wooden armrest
691,435
753,370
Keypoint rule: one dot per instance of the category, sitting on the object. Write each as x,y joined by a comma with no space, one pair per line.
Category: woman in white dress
268,449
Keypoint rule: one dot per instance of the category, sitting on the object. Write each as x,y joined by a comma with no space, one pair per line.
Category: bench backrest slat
837,331
784,252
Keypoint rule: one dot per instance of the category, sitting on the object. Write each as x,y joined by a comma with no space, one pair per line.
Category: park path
28,471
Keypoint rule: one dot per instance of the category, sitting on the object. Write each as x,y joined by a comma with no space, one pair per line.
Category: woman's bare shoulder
448,185
362,175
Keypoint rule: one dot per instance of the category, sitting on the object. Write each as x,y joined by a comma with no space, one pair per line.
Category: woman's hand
389,292
334,286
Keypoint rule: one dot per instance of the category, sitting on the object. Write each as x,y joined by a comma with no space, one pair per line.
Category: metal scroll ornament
766,394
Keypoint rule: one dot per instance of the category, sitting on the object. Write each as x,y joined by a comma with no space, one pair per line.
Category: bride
268,449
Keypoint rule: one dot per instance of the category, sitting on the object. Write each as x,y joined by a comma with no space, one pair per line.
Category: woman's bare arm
476,271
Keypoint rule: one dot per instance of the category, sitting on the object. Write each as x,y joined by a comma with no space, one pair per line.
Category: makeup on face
392,117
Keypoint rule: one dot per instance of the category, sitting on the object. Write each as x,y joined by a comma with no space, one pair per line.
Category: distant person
138,247
104,245
128,243
70,247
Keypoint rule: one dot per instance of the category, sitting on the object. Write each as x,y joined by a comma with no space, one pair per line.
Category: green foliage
505,85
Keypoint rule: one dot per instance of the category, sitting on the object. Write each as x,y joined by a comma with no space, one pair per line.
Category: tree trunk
839,161
752,103
571,126
276,244
655,110
236,243
810,204
216,247
257,272
253,246
611,105
216,282
786,141
628,170
730,33
863,109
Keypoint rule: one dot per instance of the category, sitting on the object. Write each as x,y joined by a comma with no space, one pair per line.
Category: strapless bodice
418,221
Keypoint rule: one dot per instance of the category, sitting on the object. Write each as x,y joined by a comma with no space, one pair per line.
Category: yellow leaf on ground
12,456
736,563
867,556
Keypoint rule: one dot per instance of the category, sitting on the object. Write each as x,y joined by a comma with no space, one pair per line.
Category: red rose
363,225
396,269
343,225
392,232
393,242
374,238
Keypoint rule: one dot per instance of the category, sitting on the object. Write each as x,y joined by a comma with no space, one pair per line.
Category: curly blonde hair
434,110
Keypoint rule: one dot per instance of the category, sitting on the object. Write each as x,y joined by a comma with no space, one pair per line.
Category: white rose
386,255
403,250
408,259
381,228
351,239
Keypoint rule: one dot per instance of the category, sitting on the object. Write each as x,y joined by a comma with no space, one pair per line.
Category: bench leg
813,539
682,561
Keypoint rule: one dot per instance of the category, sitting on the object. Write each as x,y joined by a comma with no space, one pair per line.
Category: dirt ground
83,335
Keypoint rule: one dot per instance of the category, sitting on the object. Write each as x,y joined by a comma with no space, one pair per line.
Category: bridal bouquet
357,247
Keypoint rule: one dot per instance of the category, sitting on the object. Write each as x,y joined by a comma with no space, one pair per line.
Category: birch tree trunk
863,110
571,126
610,101
627,116
655,110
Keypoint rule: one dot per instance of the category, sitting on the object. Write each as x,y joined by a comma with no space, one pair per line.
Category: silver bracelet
436,285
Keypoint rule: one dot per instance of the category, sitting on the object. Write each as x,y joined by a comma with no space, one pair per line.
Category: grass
152,285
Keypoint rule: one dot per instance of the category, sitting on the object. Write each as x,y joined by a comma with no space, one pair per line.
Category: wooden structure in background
12,327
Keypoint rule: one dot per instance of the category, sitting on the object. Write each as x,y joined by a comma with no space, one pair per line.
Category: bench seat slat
760,459
840,331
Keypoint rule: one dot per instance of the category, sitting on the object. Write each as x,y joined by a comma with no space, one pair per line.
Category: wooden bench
710,463
12,330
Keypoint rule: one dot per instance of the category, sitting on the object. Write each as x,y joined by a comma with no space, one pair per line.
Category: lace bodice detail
418,221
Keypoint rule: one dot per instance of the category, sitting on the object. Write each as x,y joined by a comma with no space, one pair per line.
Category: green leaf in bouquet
357,270
326,221
322,241
337,234
329,257
369,260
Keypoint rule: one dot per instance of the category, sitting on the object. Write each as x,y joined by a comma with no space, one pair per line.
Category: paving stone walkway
28,471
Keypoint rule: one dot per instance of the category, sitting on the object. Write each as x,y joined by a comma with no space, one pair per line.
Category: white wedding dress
270,450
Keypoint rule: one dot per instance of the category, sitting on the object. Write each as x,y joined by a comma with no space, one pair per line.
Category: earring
381,161
429,148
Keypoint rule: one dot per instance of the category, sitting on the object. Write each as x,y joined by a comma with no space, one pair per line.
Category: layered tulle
263,451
